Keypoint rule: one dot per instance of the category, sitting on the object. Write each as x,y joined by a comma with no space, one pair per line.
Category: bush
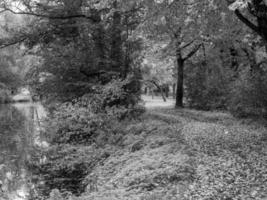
80,131
82,120
249,95
206,86
122,92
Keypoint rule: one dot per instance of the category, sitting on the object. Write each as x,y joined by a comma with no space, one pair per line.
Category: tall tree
80,42
116,39
177,23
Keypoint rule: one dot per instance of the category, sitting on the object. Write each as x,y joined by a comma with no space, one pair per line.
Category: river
20,128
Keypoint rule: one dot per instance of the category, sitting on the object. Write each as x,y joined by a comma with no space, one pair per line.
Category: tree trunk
127,51
99,39
174,91
180,82
160,89
166,90
162,94
116,54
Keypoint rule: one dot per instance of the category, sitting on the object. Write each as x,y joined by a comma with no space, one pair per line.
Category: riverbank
178,154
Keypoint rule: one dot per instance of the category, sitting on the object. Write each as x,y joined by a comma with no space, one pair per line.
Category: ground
157,102
184,154
22,96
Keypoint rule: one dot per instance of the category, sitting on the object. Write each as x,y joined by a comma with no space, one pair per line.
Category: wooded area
211,53
89,62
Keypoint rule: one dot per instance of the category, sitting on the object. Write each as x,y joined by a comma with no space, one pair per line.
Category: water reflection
19,131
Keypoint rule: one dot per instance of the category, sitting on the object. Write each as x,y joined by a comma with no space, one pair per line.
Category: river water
20,128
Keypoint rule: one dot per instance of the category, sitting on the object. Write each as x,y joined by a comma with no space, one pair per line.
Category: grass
182,155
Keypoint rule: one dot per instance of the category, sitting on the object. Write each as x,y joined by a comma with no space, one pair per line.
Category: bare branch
247,22
6,43
21,37
60,17
191,53
187,44
154,82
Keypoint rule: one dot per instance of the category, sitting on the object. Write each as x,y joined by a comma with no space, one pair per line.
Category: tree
255,18
81,43
175,22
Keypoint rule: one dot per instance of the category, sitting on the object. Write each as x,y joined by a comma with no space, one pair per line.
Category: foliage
91,51
191,160
4,96
79,132
207,86
95,113
232,163
65,168
87,59
249,97
229,177
9,79
11,123
88,71
212,139
172,25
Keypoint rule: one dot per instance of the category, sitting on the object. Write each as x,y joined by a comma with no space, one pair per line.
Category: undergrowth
190,157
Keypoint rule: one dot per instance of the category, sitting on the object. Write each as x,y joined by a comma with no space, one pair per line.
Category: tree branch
60,17
21,37
191,53
92,74
10,43
188,44
157,86
247,22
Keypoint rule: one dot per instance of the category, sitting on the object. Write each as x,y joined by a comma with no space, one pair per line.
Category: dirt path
157,102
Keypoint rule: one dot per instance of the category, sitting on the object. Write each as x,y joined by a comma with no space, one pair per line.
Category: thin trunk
162,94
160,89
99,39
262,26
173,90
127,52
265,44
180,81
166,90
116,41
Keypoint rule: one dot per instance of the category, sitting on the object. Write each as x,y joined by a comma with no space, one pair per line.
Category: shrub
206,86
81,121
120,93
249,95
79,132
